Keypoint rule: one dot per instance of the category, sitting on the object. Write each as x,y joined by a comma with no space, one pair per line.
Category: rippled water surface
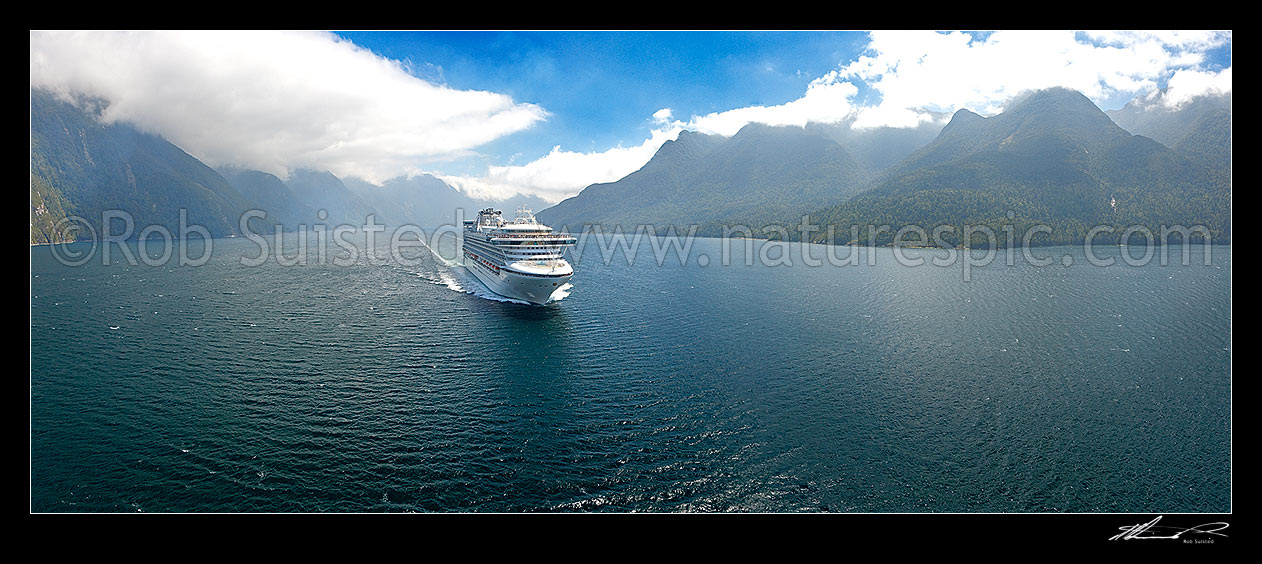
877,387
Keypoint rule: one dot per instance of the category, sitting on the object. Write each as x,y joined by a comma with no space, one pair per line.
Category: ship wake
458,279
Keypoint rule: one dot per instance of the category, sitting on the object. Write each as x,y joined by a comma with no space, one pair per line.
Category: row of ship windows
513,252
515,245
527,246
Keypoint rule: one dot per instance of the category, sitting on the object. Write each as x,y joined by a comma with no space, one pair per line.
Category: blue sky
601,88
548,113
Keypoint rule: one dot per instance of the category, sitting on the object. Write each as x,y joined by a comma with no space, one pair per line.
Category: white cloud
827,100
913,73
924,70
1190,83
1173,39
281,100
275,101
561,174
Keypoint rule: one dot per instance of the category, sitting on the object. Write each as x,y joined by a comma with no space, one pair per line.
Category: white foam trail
460,280
441,258
446,262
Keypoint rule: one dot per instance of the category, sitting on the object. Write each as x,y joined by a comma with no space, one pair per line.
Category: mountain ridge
83,168
1052,158
706,179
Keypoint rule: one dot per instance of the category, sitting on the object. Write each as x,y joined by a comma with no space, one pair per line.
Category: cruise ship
520,259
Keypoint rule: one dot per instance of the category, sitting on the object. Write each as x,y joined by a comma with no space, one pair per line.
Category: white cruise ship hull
533,289
522,260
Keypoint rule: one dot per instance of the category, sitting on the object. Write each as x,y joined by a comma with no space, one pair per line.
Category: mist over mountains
760,175
84,168
1200,128
1051,158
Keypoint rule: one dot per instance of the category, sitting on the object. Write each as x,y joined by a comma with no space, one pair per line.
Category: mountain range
1054,159
83,167
80,166
1199,128
1051,158
760,175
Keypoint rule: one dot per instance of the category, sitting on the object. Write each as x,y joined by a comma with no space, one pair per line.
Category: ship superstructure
520,259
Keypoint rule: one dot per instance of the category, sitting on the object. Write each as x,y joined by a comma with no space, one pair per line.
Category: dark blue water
400,387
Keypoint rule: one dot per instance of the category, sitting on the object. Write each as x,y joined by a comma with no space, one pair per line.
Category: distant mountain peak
963,120
964,115
1157,102
761,173
687,145
688,135
1061,112
755,129
1063,99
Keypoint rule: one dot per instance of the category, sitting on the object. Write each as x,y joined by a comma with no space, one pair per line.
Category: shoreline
1155,242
